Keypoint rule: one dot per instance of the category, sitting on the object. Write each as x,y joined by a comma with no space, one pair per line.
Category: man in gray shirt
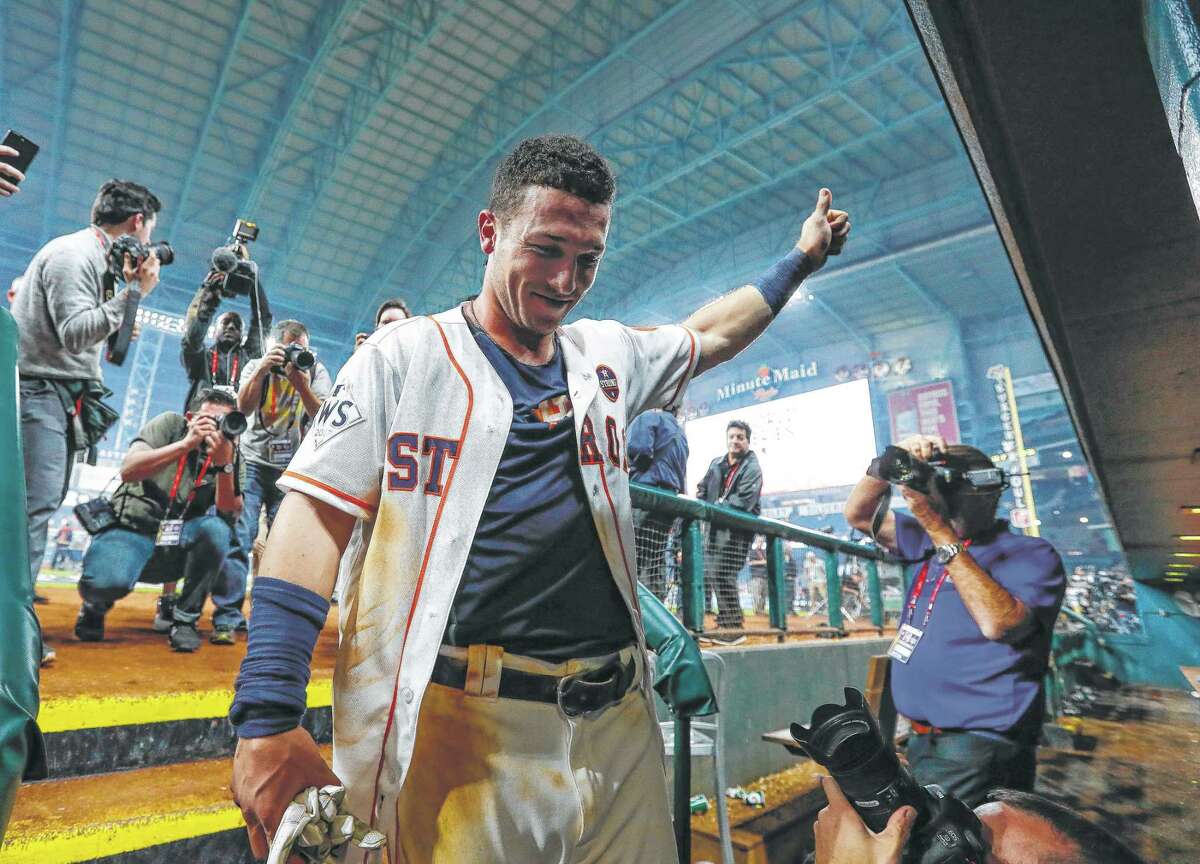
279,399
63,319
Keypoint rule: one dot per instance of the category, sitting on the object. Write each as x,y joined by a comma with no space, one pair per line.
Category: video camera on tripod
129,246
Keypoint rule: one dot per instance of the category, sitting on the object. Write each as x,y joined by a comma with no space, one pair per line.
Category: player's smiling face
543,256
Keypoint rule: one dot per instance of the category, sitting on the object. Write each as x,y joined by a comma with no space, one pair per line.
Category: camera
233,273
233,424
138,251
899,467
298,356
846,740
95,515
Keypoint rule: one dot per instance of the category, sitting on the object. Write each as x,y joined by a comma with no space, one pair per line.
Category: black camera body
846,740
233,273
138,251
901,468
298,356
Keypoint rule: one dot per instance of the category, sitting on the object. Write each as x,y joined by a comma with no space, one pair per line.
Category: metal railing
689,583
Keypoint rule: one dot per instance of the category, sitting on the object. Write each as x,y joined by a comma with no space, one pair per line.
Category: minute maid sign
765,384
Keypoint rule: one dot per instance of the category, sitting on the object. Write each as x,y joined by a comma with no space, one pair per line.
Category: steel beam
722,145
68,46
504,139
356,117
214,103
326,32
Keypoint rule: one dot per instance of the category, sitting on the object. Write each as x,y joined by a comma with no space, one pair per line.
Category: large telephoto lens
846,740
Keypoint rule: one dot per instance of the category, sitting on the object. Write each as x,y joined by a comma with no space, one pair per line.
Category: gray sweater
60,316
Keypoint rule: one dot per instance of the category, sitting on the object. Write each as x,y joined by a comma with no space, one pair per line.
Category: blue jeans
968,765
118,559
44,425
229,593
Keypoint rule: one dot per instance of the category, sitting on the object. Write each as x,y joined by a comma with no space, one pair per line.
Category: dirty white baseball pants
505,781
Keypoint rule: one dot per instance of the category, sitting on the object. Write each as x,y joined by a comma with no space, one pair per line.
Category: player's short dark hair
557,161
290,327
117,200
739,424
213,396
1095,845
394,303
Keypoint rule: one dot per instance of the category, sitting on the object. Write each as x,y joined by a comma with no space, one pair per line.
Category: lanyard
179,476
729,479
919,586
233,368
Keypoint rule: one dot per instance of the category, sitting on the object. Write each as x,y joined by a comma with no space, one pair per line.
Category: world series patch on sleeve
338,413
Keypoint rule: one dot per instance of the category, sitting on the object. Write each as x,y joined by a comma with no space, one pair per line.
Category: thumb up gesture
824,232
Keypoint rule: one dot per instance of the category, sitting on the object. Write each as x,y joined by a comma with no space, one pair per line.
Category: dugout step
169,813
134,661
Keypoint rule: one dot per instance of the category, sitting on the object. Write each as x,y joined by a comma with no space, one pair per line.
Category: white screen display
814,440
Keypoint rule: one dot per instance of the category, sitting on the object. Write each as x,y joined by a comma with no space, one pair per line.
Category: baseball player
491,699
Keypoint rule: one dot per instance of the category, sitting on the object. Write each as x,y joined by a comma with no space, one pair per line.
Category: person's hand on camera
276,357
220,447
200,430
9,173
824,232
843,838
296,377
146,274
268,773
924,447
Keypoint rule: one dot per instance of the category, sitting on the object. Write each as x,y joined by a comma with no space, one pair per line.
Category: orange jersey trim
338,493
462,437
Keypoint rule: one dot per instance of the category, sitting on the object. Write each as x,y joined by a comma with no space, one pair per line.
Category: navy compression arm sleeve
271,687
779,283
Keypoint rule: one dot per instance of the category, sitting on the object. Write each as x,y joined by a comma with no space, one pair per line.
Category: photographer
221,364
63,320
734,480
389,312
974,640
279,396
176,469
1020,828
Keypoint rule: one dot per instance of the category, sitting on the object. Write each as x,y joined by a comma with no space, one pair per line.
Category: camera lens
166,255
233,424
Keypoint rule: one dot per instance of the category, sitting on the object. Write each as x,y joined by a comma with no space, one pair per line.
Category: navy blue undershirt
536,581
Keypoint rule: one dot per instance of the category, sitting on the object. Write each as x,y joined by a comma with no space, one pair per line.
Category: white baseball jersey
409,441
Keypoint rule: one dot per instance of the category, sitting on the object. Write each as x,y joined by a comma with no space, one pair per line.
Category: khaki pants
502,780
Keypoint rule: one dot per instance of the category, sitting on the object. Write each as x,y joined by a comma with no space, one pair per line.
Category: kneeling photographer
176,469
974,641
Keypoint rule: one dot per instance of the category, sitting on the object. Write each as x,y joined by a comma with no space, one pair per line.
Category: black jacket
744,493
198,361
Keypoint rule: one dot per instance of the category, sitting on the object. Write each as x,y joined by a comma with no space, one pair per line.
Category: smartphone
25,148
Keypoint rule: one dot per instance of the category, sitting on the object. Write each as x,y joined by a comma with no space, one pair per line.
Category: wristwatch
947,552
227,468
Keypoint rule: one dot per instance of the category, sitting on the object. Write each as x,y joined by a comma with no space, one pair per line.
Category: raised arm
729,324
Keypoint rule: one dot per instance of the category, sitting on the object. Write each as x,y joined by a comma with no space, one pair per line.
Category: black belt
581,693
